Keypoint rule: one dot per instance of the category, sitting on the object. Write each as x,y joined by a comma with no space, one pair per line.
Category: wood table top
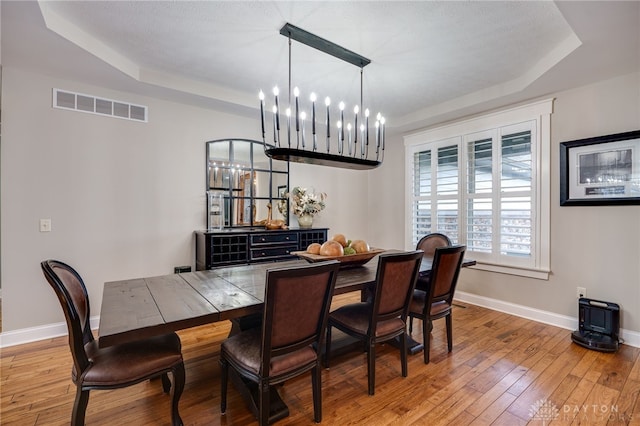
143,307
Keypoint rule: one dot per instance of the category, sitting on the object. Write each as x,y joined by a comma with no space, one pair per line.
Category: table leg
248,389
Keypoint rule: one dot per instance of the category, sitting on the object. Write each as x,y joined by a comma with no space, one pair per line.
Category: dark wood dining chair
384,316
430,242
289,342
437,300
428,245
113,367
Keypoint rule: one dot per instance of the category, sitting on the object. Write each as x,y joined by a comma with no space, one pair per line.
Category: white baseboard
631,338
628,337
33,334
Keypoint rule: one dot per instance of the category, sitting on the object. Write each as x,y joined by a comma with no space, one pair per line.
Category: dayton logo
544,410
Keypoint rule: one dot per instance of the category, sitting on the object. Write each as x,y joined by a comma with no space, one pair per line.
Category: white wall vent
94,105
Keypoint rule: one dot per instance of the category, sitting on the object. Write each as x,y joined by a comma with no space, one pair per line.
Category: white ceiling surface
430,60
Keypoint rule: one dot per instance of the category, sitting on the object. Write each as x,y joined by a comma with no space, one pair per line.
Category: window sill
538,274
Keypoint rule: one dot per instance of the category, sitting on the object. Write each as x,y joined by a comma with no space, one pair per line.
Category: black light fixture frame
316,157
326,46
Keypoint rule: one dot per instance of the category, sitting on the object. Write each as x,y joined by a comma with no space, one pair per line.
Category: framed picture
604,170
282,190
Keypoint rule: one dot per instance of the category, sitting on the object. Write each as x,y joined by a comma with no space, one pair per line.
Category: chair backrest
444,274
297,302
73,297
395,280
430,242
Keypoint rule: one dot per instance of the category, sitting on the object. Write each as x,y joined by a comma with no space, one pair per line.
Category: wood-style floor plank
500,368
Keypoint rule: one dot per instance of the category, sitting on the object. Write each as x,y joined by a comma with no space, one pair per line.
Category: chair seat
244,350
423,282
355,318
130,362
419,300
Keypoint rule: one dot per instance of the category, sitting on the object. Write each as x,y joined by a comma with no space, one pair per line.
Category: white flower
303,202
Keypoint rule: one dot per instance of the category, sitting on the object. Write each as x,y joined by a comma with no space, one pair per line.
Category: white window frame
464,130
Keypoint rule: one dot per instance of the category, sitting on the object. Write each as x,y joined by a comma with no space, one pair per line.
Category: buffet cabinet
234,246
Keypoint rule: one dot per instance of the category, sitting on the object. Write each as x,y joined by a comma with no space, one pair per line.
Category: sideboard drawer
274,238
271,252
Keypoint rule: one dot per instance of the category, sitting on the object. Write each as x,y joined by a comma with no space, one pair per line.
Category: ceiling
431,61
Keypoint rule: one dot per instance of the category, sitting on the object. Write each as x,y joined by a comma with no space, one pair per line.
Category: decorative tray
348,260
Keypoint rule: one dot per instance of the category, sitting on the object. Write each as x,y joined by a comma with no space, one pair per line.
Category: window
484,182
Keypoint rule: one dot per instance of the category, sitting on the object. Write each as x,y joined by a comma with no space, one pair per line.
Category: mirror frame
233,190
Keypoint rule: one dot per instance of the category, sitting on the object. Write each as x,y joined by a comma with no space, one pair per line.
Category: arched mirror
241,182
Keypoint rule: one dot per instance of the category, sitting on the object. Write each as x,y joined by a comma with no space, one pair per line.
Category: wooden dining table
138,308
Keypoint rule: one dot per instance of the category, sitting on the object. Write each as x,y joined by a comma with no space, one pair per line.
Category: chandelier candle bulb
303,117
313,120
261,97
327,102
275,127
341,106
313,113
382,126
366,126
356,109
288,114
276,92
296,93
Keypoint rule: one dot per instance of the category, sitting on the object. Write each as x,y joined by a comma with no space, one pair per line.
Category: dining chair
289,342
428,245
437,301
430,242
382,317
113,367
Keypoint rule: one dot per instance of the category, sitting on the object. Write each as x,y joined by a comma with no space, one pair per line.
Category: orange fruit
341,239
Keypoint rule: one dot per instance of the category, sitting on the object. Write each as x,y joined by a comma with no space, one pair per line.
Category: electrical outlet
45,225
581,292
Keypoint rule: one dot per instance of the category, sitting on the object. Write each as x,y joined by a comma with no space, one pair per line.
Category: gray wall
125,198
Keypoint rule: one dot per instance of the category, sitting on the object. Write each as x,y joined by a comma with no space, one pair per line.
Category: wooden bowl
348,260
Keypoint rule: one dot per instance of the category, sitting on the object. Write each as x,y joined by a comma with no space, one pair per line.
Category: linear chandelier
347,141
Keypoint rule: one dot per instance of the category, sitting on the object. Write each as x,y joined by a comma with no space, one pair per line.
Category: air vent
94,105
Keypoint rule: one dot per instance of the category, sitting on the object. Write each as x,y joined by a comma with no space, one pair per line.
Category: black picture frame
599,171
282,191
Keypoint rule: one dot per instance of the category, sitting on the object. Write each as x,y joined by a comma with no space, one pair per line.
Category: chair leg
449,332
403,354
410,324
79,407
166,383
178,387
264,404
327,347
316,382
426,341
371,367
224,376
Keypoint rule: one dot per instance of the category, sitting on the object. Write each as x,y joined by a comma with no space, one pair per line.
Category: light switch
45,225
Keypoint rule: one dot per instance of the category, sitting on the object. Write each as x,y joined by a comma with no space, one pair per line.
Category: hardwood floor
500,368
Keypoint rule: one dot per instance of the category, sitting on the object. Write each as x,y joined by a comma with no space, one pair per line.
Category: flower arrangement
306,202
282,207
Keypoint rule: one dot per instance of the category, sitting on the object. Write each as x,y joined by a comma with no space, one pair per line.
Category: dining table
139,308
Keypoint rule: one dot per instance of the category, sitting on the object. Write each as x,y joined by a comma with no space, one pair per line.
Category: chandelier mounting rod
326,46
